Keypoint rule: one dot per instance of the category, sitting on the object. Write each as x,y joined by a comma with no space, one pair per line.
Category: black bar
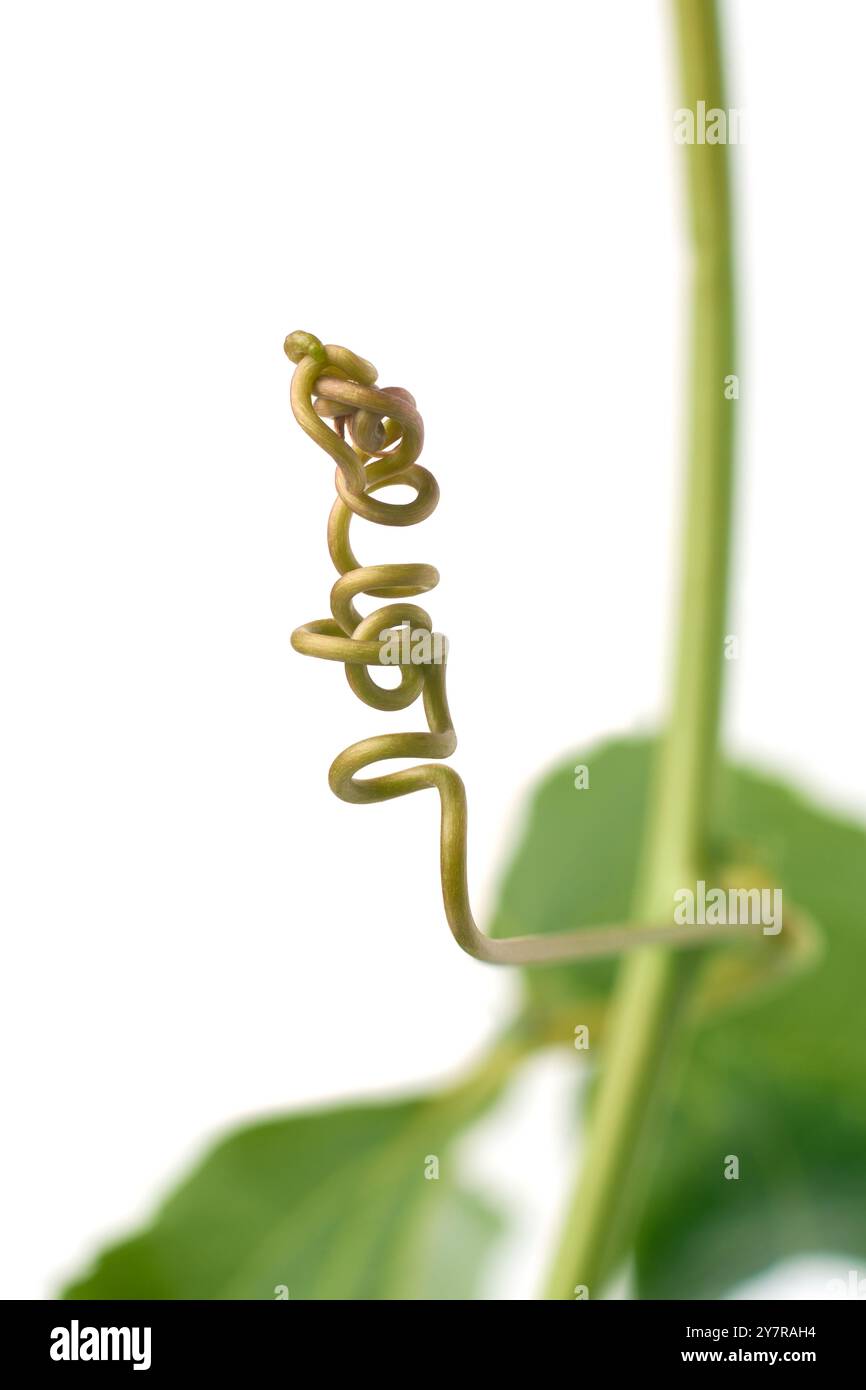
240,1337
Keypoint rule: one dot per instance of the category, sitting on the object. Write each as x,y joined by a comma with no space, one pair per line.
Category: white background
484,200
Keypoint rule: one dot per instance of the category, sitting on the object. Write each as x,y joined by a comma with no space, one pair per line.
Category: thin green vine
375,441
654,987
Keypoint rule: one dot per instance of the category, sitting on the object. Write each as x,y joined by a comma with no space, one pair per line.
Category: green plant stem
654,986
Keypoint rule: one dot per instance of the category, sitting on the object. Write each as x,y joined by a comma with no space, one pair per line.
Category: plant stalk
654,986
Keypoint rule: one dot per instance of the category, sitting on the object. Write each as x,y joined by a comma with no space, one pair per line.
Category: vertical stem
653,986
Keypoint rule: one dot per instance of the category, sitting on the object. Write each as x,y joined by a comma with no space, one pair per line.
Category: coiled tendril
375,440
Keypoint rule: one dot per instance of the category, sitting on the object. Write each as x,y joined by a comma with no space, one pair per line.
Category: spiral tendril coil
375,436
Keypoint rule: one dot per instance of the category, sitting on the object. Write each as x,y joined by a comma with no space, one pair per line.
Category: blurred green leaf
779,1081
333,1204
